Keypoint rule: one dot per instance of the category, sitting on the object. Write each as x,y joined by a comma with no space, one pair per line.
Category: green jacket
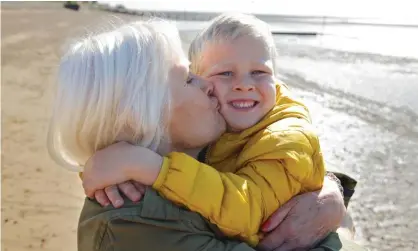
155,223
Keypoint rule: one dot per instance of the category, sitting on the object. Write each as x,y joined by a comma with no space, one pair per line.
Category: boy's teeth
241,104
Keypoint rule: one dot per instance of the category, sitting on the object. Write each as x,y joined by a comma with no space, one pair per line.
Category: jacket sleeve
238,203
124,235
142,226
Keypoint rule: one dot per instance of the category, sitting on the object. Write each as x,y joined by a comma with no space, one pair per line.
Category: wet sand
41,201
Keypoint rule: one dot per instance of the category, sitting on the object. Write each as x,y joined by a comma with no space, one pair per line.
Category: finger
272,240
87,190
130,191
89,195
287,246
101,197
112,193
140,187
278,216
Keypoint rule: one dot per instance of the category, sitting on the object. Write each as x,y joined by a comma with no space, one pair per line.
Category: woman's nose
206,86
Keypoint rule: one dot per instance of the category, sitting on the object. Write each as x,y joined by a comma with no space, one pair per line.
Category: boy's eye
257,72
225,73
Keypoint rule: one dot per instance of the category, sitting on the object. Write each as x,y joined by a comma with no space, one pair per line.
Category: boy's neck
193,152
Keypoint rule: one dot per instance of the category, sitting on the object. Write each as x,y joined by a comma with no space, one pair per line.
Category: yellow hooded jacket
250,174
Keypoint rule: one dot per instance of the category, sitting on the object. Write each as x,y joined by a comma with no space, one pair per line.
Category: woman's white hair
228,27
114,86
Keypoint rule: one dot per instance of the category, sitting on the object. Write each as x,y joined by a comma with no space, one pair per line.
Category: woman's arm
305,220
143,226
324,204
237,203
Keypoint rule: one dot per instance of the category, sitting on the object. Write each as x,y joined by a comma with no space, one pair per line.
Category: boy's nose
244,88
244,84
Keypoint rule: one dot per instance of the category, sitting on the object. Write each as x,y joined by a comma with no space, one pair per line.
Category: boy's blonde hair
228,27
114,86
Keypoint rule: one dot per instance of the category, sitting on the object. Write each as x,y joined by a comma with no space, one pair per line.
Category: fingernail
266,225
119,203
135,198
136,201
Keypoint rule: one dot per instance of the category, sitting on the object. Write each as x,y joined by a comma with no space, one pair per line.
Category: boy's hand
111,195
118,163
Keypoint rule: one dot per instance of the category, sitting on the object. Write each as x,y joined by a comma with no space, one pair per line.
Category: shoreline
273,18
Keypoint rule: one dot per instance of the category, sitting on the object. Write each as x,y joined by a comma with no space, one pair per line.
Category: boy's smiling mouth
243,104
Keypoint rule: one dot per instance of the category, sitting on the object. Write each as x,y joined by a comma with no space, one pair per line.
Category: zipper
207,153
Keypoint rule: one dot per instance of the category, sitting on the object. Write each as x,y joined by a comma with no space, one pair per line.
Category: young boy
270,152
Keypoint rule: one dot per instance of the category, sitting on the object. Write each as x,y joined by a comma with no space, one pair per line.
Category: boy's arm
238,203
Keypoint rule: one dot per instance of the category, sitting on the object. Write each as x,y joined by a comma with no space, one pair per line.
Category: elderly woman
133,84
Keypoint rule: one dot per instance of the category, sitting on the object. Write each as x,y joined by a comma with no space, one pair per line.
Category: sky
403,11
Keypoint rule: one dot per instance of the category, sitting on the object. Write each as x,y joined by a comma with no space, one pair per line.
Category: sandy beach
41,201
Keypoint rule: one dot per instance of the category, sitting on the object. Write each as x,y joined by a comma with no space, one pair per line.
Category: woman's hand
304,220
118,163
111,195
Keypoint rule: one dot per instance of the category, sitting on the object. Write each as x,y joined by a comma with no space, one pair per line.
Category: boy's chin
239,127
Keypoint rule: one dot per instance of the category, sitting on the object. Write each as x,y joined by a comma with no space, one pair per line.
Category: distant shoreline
206,16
